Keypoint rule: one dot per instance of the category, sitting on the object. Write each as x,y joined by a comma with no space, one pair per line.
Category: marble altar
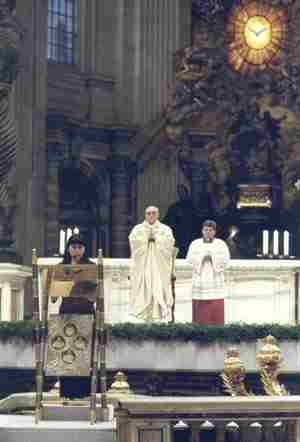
259,291
12,284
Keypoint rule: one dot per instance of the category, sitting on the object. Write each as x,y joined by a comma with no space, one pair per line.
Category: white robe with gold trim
151,296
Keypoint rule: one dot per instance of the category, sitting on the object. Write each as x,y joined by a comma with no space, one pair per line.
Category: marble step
23,429
75,412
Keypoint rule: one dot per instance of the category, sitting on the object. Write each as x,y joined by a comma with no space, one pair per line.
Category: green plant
184,332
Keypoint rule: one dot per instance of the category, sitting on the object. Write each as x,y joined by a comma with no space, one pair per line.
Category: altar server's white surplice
209,261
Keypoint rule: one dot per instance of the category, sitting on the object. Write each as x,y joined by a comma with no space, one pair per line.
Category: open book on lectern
71,280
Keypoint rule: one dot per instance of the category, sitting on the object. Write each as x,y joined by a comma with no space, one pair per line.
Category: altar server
152,246
209,257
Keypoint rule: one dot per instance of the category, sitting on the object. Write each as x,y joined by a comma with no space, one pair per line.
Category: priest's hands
151,237
207,255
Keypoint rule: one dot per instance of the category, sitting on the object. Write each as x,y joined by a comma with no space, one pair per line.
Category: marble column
6,302
122,170
31,111
21,303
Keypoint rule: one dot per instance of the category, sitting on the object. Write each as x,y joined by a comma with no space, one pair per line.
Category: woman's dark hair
75,239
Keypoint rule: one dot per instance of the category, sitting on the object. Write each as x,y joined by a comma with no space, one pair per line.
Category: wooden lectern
64,344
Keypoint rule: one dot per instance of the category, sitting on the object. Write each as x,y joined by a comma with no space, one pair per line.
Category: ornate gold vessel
234,374
269,361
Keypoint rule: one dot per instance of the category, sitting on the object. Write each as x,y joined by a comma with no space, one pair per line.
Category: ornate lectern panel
69,345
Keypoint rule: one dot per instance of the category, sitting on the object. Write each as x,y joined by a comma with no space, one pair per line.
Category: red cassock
210,312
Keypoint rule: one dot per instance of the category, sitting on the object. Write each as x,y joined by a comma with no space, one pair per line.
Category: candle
286,243
265,242
62,241
69,233
275,242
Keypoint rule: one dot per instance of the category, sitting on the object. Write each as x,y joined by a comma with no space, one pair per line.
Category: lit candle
275,242
286,243
69,233
62,239
265,242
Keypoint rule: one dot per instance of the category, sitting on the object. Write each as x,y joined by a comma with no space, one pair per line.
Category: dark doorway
78,206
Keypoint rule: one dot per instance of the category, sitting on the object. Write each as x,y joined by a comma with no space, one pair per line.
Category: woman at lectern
80,301
82,297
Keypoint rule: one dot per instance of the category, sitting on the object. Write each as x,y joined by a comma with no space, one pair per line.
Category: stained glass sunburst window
256,33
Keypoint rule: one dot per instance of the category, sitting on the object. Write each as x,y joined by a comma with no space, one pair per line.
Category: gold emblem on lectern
58,343
70,330
69,345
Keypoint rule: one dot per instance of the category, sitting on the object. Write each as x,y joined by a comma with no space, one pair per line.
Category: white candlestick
286,243
275,242
69,233
265,242
62,241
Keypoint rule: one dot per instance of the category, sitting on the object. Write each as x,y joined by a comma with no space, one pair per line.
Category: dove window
62,30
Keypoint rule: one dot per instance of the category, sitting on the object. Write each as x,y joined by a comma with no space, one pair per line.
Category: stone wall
155,368
160,356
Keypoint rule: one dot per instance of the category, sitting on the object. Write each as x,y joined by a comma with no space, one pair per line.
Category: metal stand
173,280
40,319
99,348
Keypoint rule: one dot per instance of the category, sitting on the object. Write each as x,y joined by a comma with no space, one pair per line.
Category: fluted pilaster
160,37
149,33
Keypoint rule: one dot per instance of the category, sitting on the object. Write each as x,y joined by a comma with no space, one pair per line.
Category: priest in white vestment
152,247
209,257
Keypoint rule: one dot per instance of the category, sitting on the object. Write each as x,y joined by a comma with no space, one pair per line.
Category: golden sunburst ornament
256,33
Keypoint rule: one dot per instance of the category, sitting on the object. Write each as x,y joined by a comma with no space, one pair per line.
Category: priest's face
208,233
151,215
